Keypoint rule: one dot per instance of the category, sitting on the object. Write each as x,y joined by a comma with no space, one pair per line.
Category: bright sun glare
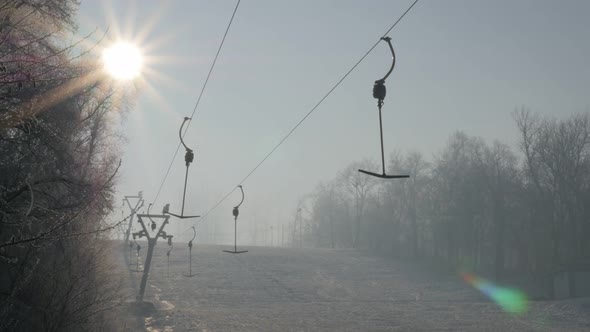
122,60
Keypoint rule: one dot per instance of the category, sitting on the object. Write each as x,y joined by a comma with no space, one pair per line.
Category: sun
123,61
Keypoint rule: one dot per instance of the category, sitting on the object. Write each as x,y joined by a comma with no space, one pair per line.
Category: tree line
475,205
58,166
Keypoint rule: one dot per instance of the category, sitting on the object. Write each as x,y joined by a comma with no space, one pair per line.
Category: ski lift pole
188,158
137,255
379,92
137,249
379,105
190,257
300,228
236,212
170,247
235,234
190,254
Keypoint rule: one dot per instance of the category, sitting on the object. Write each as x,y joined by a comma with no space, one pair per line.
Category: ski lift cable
198,100
312,109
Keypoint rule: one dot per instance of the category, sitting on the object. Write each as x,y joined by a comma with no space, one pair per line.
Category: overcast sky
461,65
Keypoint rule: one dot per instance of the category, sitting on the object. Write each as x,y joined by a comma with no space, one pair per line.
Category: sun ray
150,22
151,74
53,97
113,26
166,59
159,101
129,24
165,40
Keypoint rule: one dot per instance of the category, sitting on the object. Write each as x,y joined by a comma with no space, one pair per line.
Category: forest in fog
475,205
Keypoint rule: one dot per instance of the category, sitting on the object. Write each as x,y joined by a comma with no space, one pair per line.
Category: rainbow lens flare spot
510,300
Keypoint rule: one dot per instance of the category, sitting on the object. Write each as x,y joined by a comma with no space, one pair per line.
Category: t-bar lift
236,212
379,92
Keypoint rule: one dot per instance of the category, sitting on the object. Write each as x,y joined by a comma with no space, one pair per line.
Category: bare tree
358,187
58,165
557,165
499,169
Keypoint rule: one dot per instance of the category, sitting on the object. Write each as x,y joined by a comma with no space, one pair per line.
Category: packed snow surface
292,289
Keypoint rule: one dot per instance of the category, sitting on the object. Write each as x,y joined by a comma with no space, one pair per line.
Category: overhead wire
311,110
198,100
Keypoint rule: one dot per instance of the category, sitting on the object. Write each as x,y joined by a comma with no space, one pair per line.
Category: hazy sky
460,65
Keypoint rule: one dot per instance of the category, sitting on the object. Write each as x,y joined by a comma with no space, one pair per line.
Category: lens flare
510,300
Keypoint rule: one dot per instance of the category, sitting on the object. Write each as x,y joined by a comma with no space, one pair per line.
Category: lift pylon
134,209
152,240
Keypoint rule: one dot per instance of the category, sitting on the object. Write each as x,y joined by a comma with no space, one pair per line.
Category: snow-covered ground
285,289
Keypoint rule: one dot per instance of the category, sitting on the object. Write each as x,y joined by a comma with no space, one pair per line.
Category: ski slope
290,289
